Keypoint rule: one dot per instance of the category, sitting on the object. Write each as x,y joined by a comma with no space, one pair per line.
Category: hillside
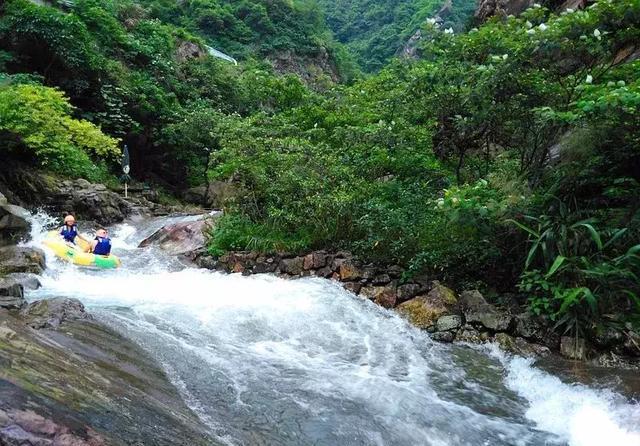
375,30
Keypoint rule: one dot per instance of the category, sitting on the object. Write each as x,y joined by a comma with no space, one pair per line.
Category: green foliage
375,31
37,119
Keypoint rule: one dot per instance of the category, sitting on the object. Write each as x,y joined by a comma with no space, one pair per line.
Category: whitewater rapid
262,360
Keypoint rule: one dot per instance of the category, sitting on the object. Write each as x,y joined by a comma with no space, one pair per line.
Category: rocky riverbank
449,316
66,378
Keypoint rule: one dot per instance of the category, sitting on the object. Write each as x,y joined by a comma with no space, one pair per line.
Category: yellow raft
79,253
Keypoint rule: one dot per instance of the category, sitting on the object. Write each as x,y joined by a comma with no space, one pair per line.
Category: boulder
13,223
11,294
89,202
573,348
424,311
520,346
50,313
15,259
449,322
408,291
443,336
315,260
180,238
468,334
477,310
29,281
353,287
215,195
349,270
382,295
293,266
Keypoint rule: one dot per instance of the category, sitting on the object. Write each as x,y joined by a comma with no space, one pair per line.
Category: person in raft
69,231
101,245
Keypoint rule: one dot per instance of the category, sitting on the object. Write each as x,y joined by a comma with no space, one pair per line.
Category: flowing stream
266,361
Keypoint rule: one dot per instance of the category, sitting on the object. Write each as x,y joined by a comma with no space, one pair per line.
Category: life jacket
103,247
69,232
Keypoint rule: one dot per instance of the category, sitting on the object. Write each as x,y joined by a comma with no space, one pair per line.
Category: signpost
125,169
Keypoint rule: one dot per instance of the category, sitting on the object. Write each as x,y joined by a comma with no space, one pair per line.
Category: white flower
531,31
505,56
570,10
542,27
621,83
597,34
589,79
537,5
448,31
440,202
583,37
529,24
473,30
455,200
431,21
611,84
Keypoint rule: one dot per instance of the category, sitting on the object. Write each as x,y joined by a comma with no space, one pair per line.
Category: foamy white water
267,361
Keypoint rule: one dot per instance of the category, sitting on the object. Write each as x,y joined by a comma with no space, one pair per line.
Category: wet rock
382,295
353,287
15,259
324,272
449,322
349,270
29,281
50,313
520,346
11,294
468,334
180,238
478,311
315,260
14,226
573,348
443,336
293,266
424,311
86,386
408,291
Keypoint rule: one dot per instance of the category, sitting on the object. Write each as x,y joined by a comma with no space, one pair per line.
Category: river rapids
267,361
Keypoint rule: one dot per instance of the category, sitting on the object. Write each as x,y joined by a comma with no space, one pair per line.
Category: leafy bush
38,120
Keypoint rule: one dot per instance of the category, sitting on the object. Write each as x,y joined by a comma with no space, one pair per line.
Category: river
267,361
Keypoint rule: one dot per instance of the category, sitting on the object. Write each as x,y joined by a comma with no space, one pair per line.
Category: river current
267,361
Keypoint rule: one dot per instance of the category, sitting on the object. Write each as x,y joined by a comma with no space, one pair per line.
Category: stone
520,346
573,348
424,311
442,294
14,225
353,287
50,313
293,266
407,291
180,238
468,334
449,322
443,336
29,281
12,302
348,270
477,310
608,337
387,297
15,259
381,279
324,272
315,260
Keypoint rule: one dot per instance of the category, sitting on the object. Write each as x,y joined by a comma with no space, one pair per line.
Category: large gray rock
215,195
425,310
292,267
29,281
180,238
449,322
86,385
478,311
11,294
50,313
14,225
16,259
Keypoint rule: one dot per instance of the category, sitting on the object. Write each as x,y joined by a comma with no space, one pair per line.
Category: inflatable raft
78,254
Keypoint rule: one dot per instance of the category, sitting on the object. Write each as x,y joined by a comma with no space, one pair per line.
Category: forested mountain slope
374,30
